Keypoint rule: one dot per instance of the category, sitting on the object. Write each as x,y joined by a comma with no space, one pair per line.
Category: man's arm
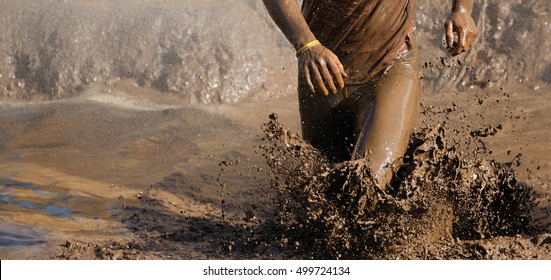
317,64
461,22
288,17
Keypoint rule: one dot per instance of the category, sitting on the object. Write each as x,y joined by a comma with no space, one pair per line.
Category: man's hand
460,22
318,65
321,69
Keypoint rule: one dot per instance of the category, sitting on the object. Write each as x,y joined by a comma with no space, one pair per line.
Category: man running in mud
359,77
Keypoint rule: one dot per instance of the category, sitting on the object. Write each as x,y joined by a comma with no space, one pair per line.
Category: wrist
464,7
307,46
460,9
300,39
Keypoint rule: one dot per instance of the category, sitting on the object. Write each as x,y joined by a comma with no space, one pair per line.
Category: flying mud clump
438,203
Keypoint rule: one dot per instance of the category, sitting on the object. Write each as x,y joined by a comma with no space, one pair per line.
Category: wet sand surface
136,175
75,167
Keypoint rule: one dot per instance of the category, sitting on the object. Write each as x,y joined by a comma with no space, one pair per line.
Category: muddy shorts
380,113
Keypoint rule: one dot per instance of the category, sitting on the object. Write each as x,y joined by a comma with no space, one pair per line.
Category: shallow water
71,168
39,199
12,235
101,171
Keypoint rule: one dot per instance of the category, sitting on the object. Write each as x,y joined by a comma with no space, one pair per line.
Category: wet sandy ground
124,172
71,169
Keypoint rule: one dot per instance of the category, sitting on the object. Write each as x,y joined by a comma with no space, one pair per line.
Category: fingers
451,29
466,39
464,26
318,78
327,77
306,72
332,74
449,33
461,45
322,70
338,72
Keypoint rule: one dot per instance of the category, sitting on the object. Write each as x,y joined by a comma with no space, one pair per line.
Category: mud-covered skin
372,121
461,23
382,113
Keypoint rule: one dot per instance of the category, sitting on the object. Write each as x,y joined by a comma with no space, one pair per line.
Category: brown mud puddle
145,177
438,205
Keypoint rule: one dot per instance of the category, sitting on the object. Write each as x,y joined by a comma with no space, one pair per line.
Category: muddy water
131,167
139,174
70,168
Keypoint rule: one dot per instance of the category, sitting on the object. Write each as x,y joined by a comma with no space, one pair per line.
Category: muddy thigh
385,115
373,120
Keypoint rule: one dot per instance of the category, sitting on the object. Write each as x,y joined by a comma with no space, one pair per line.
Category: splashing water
438,199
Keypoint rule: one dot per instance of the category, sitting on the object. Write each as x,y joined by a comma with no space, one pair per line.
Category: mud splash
437,204
222,204
230,51
201,50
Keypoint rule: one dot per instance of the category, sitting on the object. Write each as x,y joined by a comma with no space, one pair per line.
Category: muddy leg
386,115
325,125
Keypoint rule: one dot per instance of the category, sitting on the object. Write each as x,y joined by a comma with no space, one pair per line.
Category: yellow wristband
307,46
